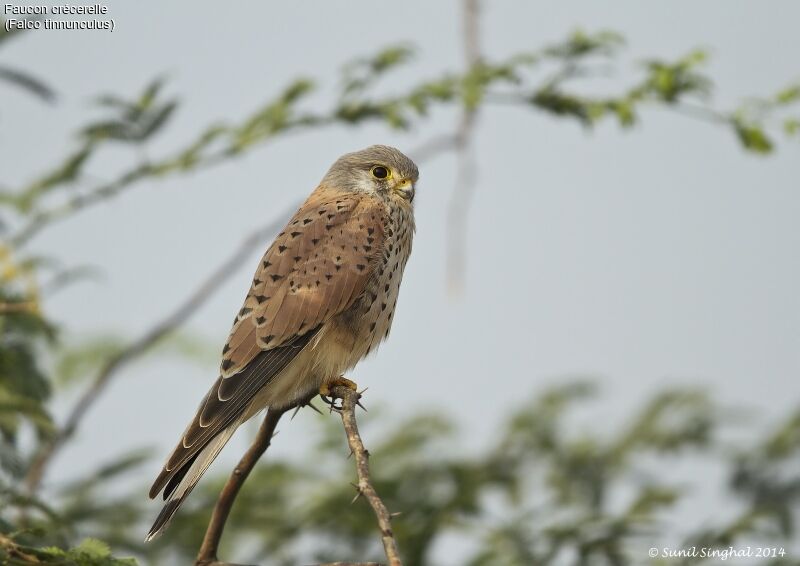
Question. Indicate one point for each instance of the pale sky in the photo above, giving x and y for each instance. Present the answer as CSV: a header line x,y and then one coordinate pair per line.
x,y
649,258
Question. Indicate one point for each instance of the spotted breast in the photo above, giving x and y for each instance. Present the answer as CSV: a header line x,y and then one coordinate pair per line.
x,y
368,321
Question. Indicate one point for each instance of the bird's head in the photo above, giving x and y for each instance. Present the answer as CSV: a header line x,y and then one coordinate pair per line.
x,y
378,169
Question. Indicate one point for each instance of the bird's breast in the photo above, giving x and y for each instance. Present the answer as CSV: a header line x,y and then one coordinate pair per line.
x,y
359,330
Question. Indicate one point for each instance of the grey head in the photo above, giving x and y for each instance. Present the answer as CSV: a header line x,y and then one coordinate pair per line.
x,y
378,169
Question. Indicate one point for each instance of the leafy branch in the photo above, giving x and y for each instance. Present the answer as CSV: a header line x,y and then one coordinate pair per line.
x,y
677,85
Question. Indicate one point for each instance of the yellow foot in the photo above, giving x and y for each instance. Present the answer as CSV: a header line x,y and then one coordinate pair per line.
x,y
327,388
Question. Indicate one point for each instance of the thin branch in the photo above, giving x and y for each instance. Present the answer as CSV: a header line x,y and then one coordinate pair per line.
x,y
471,23
697,111
207,556
173,321
465,185
700,112
41,219
106,190
350,399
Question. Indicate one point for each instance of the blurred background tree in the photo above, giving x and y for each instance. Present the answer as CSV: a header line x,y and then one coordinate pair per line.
x,y
546,492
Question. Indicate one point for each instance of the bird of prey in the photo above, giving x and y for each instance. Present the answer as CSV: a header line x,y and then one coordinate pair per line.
x,y
322,298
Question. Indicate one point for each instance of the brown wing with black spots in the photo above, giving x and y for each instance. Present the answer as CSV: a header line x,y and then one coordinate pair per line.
x,y
315,269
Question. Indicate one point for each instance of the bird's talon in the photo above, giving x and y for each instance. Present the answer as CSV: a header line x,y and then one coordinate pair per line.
x,y
326,389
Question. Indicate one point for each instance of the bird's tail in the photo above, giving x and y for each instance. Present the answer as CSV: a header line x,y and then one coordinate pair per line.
x,y
196,467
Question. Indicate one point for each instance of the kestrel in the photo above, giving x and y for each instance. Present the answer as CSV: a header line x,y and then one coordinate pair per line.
x,y
323,297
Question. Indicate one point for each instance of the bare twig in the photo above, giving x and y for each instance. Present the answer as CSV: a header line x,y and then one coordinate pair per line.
x,y
347,411
207,556
465,177
174,320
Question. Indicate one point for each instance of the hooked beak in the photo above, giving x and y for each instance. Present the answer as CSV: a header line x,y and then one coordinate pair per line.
x,y
406,189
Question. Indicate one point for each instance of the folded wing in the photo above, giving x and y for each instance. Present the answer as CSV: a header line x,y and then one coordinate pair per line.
x,y
316,268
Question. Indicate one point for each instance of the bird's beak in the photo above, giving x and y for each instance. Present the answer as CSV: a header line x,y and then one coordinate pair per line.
x,y
406,189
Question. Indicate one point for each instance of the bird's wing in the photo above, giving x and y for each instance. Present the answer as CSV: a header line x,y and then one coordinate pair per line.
x,y
315,269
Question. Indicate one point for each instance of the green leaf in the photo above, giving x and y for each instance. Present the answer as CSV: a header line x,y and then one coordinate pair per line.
x,y
28,83
14,407
275,117
562,104
148,97
390,57
157,119
671,81
132,121
65,173
791,126
753,137
92,549
6,34
784,442
581,44
788,95
362,73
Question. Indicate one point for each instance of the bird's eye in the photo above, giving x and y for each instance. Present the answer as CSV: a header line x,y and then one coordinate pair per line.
x,y
380,172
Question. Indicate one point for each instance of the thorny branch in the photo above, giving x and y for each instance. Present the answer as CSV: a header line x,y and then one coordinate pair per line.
x,y
350,399
174,320
207,555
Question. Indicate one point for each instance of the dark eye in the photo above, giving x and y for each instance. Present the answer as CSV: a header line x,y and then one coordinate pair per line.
x,y
380,172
